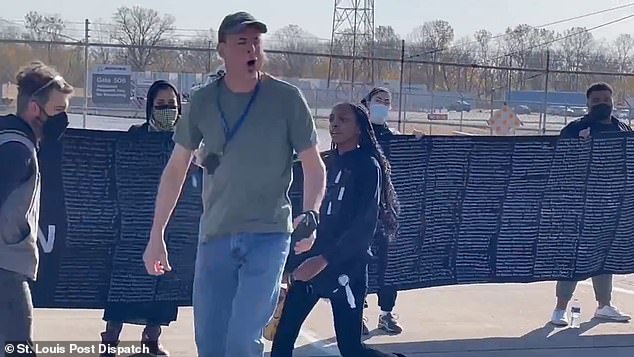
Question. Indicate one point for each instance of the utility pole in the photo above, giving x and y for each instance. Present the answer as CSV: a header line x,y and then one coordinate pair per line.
x,y
400,91
209,69
543,131
509,84
86,36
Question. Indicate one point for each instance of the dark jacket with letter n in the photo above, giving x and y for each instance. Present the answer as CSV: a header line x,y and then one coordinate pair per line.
x,y
574,127
348,216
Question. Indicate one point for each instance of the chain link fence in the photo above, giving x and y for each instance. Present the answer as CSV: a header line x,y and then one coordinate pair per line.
x,y
429,95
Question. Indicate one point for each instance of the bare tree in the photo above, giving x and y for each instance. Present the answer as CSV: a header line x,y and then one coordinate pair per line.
x,y
624,45
464,50
428,41
522,45
483,39
293,38
388,45
44,27
200,61
138,26
102,32
576,48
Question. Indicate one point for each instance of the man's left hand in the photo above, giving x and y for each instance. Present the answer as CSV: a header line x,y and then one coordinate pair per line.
x,y
310,268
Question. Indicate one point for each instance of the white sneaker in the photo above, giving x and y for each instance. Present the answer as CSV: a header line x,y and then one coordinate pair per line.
x,y
559,318
611,313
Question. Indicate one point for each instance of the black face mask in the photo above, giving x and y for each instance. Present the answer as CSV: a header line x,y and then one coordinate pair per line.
x,y
600,111
55,126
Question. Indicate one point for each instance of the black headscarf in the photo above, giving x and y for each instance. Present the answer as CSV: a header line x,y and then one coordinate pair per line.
x,y
156,87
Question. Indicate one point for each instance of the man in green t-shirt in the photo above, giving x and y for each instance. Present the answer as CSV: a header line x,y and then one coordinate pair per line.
x,y
251,124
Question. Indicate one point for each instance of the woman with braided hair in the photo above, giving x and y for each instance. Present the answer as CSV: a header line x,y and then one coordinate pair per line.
x,y
359,193
378,102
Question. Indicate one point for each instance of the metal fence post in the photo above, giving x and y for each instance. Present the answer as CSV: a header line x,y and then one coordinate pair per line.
x,y
544,123
400,91
86,59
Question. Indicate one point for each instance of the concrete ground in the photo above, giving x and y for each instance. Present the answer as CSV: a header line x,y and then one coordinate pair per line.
x,y
455,321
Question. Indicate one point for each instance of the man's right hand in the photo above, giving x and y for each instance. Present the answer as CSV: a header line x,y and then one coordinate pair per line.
x,y
155,256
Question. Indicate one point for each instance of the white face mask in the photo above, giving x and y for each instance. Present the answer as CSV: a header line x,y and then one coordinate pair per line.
x,y
379,113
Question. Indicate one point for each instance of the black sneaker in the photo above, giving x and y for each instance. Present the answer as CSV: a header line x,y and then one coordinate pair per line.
x,y
389,324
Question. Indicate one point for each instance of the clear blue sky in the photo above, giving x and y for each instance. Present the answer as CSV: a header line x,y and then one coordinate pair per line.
x,y
315,16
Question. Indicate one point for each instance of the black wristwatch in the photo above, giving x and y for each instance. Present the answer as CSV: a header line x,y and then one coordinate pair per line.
x,y
313,213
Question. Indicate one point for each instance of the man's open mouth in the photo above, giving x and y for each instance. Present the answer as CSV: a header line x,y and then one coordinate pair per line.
x,y
251,63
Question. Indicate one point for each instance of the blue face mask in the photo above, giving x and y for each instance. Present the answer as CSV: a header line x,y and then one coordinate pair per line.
x,y
379,113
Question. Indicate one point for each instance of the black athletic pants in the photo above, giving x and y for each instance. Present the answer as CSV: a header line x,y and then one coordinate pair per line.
x,y
300,300
386,294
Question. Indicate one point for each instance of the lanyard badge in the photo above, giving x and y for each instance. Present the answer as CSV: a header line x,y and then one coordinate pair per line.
x,y
231,132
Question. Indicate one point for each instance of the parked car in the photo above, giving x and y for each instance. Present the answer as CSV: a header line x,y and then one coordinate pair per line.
x,y
622,113
555,109
460,106
579,111
522,109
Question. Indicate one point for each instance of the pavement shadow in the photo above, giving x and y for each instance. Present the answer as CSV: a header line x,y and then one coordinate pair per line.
x,y
544,341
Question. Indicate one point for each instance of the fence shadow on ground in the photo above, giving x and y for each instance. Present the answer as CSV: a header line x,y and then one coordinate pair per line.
x,y
543,341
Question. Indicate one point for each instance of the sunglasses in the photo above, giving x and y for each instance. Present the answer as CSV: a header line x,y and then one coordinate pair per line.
x,y
59,80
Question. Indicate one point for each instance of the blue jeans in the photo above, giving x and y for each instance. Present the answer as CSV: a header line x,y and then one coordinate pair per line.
x,y
236,287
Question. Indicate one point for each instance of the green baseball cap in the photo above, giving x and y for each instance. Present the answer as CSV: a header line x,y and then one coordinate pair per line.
x,y
237,22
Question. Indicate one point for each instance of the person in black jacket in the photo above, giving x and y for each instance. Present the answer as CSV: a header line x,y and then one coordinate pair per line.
x,y
163,109
378,102
598,120
334,265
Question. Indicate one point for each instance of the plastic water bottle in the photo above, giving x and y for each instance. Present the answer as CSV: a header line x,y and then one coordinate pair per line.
x,y
575,314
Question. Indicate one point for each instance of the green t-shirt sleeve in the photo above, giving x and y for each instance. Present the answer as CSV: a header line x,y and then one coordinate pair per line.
x,y
302,130
186,131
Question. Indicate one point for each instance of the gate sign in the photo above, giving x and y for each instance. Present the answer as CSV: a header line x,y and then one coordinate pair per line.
x,y
111,84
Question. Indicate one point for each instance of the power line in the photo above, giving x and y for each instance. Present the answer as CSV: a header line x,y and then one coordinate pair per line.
x,y
546,43
587,15
504,34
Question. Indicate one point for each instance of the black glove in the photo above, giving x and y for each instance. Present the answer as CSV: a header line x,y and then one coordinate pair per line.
x,y
306,227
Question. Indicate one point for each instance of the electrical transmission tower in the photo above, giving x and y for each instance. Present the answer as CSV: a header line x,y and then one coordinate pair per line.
x,y
352,35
